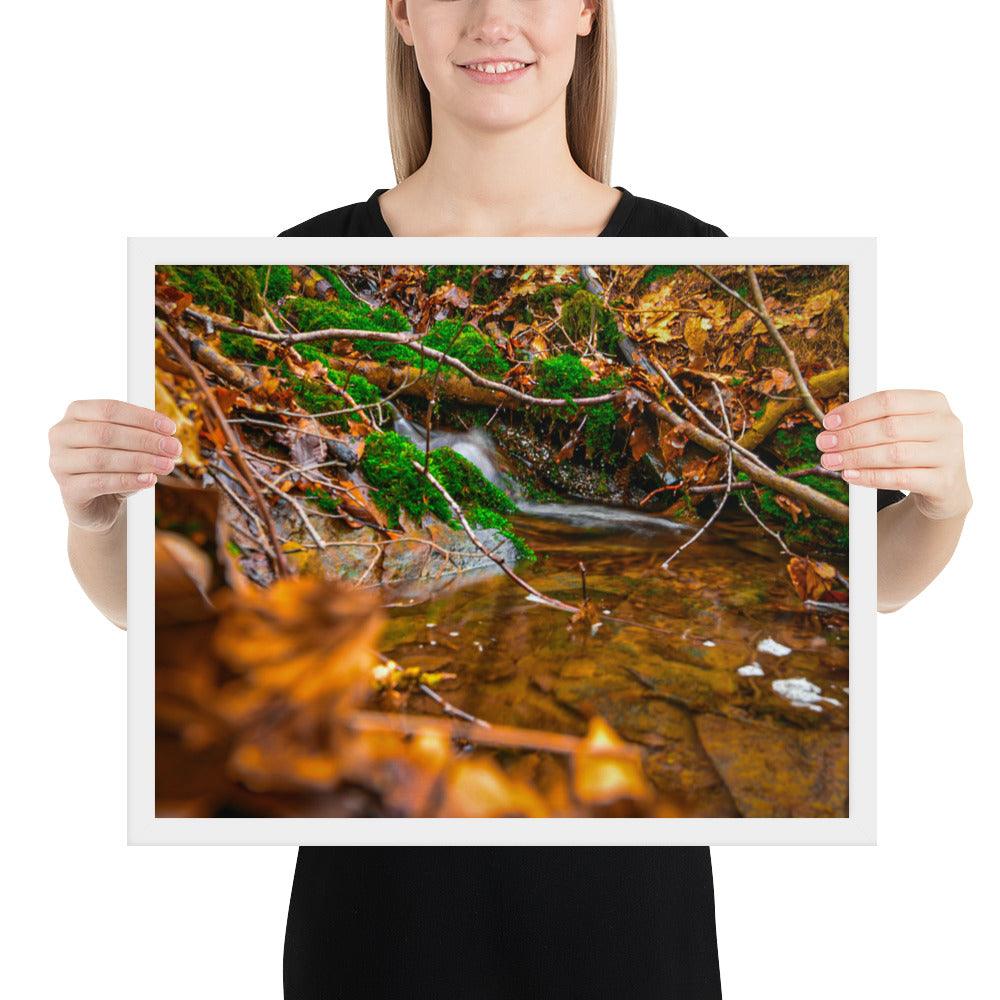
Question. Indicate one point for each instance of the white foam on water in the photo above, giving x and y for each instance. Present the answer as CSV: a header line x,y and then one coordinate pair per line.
x,y
768,645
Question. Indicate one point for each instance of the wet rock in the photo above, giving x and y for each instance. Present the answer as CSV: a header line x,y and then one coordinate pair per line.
x,y
774,772
429,551
416,560
578,479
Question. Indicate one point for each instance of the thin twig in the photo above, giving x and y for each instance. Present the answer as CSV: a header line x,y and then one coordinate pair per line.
x,y
807,396
551,601
760,311
494,735
250,483
712,428
729,485
450,709
413,342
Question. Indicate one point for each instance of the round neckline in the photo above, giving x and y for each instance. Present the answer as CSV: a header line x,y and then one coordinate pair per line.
x,y
613,227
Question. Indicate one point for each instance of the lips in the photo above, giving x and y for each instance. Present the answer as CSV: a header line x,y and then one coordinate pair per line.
x,y
496,70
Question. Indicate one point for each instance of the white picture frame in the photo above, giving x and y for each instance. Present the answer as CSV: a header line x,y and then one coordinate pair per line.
x,y
144,827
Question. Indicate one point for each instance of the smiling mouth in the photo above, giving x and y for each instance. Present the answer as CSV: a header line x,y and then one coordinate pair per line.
x,y
496,71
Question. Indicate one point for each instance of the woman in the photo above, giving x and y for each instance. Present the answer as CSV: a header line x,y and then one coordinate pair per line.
x,y
521,98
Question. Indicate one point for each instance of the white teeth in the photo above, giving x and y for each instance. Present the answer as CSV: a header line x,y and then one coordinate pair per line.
x,y
496,67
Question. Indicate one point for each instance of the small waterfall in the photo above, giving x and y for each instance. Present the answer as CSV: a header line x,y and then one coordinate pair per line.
x,y
479,447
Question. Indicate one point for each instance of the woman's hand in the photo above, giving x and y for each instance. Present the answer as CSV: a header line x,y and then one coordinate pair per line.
x,y
102,451
901,439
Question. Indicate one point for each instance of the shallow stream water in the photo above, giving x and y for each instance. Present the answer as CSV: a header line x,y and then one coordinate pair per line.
x,y
736,691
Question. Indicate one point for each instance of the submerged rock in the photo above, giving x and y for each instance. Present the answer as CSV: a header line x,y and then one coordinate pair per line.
x,y
774,772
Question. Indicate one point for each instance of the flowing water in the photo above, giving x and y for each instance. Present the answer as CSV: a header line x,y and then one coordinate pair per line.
x,y
736,691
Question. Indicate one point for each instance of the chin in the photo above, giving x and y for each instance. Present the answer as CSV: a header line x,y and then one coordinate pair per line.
x,y
499,113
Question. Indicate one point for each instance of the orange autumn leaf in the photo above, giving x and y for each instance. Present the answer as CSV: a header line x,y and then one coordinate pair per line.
x,y
793,509
812,579
600,779
696,332
640,441
481,788
186,416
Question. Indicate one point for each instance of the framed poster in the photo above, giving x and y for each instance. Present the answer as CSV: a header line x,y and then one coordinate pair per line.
x,y
501,541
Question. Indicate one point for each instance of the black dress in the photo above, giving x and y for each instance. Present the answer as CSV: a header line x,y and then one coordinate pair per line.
x,y
504,923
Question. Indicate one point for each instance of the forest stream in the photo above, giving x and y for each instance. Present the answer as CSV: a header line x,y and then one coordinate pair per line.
x,y
612,580
737,693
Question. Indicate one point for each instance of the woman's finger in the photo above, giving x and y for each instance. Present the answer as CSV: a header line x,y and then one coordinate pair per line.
x,y
897,427
883,404
894,455
89,434
910,480
117,411
84,487
71,461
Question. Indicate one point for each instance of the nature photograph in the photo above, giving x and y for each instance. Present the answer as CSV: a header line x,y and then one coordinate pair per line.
x,y
501,541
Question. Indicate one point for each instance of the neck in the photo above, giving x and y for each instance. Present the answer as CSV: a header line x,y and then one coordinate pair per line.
x,y
497,181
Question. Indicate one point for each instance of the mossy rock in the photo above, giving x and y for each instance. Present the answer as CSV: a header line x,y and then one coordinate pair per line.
x,y
657,272
357,386
795,446
242,347
814,531
350,314
543,299
274,280
562,376
463,341
226,289
585,314
387,464
565,376
485,288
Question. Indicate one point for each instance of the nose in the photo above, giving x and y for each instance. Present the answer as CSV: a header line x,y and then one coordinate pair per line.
x,y
492,22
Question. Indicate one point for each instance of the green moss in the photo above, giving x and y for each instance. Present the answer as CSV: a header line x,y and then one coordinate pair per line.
x,y
543,298
599,430
814,530
796,446
387,463
242,347
341,290
562,376
463,341
487,287
360,389
315,397
315,314
225,289
350,314
585,313
324,500
483,517
277,278
565,376
466,483
657,272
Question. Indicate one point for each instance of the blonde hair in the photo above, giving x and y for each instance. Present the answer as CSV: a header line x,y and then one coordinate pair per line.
x,y
590,99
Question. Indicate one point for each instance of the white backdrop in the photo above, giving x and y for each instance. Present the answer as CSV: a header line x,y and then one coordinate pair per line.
x,y
777,118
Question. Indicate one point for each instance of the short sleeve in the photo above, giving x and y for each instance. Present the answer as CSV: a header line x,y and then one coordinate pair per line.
x,y
887,497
